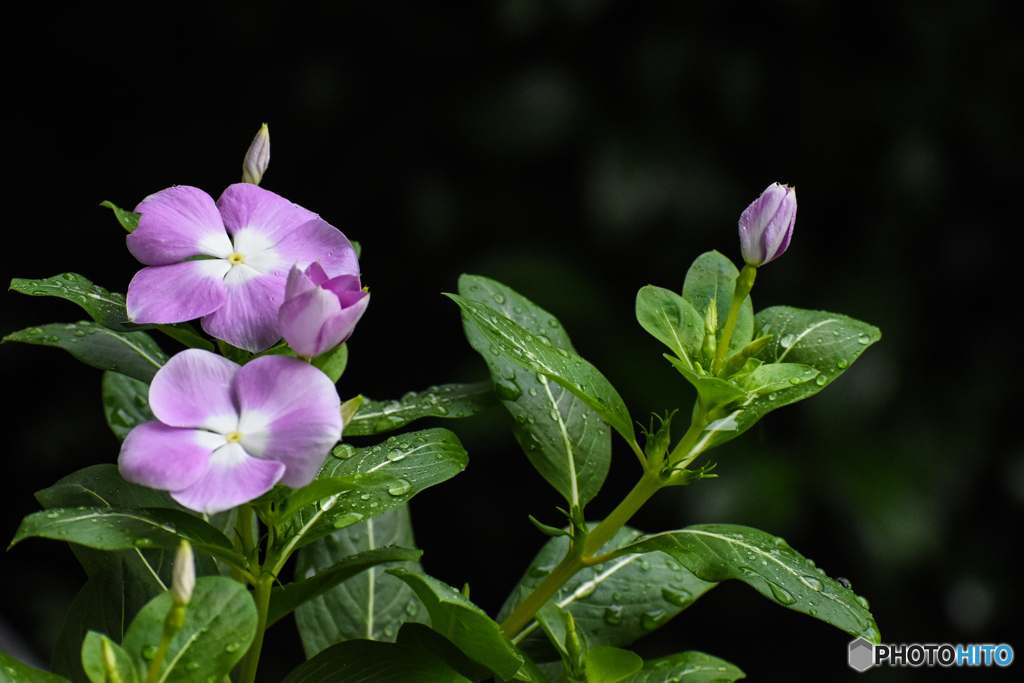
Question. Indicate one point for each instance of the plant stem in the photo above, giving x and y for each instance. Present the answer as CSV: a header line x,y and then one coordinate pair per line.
x,y
577,559
252,657
744,283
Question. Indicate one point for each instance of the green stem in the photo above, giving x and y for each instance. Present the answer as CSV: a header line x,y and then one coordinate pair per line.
x,y
252,657
172,624
576,559
744,283
684,453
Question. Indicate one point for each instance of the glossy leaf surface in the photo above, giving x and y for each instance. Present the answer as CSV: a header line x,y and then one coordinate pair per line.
x,y
128,220
105,307
687,667
564,438
712,277
446,400
672,320
367,661
125,403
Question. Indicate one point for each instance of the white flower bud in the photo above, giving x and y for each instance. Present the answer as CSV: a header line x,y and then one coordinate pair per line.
x,y
183,579
257,158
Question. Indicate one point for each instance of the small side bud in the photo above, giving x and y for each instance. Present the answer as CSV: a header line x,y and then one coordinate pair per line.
x,y
257,158
183,579
110,662
767,224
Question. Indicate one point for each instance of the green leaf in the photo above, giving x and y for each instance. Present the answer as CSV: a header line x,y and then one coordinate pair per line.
x,y
17,671
777,377
107,528
416,460
106,308
333,362
672,320
422,637
536,353
371,605
464,624
823,344
447,400
182,332
125,403
220,623
367,661
608,664
687,667
93,660
285,599
716,552
614,603
713,277
564,439
128,220
323,487
131,353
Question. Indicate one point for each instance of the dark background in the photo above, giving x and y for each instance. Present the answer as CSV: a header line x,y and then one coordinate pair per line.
x,y
578,150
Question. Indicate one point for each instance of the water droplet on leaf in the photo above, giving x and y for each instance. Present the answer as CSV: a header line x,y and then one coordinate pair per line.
x,y
613,615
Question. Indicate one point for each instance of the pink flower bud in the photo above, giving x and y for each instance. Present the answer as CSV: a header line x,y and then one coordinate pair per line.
x,y
257,158
318,312
767,225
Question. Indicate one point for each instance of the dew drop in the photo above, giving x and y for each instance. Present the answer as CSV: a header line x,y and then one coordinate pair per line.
x,y
52,515
613,615
344,451
347,520
552,322
786,341
843,364
781,594
191,666
539,572
863,339
820,381
676,596
652,620
396,455
399,488
149,651
411,608
499,298
645,565
507,391
494,350
232,647
772,396
53,338
795,380
812,582
863,602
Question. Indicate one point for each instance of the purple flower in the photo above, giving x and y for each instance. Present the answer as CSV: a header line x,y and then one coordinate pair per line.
x,y
767,225
226,434
319,312
251,237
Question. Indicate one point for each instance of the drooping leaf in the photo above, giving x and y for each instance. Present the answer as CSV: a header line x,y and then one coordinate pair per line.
x,y
371,605
125,403
105,307
367,661
614,603
716,552
285,599
672,320
447,400
220,623
415,460
537,354
93,660
128,220
564,438
422,637
131,353
18,671
465,624
713,277
687,667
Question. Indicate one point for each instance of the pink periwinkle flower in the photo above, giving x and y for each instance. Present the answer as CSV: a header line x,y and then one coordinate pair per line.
x,y
767,225
226,434
319,312
250,238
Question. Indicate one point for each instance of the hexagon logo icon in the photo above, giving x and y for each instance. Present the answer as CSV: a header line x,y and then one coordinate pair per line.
x,y
862,654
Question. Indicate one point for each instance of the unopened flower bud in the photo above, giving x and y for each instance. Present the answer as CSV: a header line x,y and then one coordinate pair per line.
x,y
183,579
767,225
257,158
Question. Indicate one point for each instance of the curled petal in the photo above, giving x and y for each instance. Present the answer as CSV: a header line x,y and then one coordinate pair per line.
x,y
767,224
248,317
166,458
177,223
247,206
290,412
297,283
194,389
338,328
232,477
177,292
302,319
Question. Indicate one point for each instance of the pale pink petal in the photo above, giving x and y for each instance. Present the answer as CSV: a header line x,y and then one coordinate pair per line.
x,y
232,477
318,241
194,389
177,292
302,319
177,223
248,317
339,328
248,206
166,458
298,282
289,412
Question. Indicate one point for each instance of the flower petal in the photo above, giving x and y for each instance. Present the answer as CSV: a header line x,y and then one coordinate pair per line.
x,y
232,477
297,283
302,320
248,318
248,206
289,412
320,241
194,389
339,328
177,292
166,458
177,223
